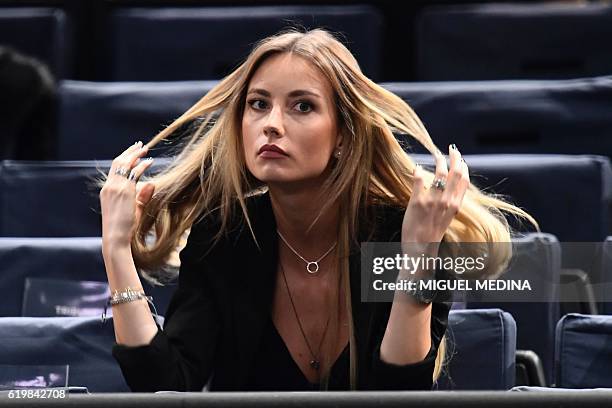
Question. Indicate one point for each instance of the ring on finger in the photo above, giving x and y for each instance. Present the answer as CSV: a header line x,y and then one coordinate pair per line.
x,y
132,176
439,184
122,171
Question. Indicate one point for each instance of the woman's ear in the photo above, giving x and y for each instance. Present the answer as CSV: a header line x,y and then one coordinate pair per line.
x,y
339,138
338,148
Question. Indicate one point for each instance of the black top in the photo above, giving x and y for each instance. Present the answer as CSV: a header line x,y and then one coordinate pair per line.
x,y
218,320
275,369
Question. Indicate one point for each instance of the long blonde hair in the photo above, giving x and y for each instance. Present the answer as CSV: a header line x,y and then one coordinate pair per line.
x,y
210,173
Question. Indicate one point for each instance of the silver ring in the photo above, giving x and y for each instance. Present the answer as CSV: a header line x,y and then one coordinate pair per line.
x,y
132,176
439,184
122,171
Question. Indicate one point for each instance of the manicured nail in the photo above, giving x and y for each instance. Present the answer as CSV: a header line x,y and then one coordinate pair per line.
x,y
453,147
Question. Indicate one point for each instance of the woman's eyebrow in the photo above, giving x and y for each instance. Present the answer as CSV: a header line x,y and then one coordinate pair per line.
x,y
297,92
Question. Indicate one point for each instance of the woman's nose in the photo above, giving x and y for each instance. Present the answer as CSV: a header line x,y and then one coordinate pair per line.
x,y
274,124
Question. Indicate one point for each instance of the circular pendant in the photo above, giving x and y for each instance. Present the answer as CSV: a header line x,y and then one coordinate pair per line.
x,y
315,364
314,266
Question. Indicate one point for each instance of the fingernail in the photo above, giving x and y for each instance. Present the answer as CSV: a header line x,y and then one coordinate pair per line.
x,y
453,147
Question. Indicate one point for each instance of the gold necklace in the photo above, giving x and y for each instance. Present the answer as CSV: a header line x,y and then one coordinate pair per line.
x,y
315,362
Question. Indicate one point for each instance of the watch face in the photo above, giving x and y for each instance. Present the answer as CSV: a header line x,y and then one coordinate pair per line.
x,y
422,296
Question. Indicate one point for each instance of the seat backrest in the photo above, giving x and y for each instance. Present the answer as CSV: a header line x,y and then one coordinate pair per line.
x,y
583,351
166,44
481,345
49,199
67,259
536,258
99,120
538,116
40,32
568,195
53,199
84,344
506,41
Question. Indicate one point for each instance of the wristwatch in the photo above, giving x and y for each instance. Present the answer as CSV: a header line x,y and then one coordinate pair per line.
x,y
423,296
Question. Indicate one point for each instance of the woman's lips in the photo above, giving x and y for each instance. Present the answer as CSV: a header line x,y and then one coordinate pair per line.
x,y
272,154
271,151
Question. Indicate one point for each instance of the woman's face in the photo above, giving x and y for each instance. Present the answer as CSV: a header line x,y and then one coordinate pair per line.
x,y
289,125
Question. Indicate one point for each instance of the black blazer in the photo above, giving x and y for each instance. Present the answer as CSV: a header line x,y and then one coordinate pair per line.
x,y
224,297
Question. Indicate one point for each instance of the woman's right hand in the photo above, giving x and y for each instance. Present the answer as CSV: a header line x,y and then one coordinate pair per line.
x,y
120,199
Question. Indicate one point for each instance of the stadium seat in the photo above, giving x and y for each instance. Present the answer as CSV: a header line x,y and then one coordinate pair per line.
x,y
583,351
544,117
166,44
536,258
507,41
568,195
481,351
43,33
66,259
52,199
98,120
49,199
84,344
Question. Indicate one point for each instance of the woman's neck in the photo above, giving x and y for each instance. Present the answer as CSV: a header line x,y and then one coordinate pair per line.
x,y
295,214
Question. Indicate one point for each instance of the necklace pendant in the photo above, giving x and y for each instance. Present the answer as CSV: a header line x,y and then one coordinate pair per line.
x,y
312,267
315,364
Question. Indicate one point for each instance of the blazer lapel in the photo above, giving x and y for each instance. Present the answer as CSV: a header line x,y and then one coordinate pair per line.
x,y
256,268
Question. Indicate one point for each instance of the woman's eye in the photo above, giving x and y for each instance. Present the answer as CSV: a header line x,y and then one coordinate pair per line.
x,y
303,107
257,104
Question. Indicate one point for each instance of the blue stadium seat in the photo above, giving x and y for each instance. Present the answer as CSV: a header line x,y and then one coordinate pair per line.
x,y
583,351
44,33
506,41
484,117
49,199
166,44
84,344
569,196
537,258
98,120
52,199
70,259
481,347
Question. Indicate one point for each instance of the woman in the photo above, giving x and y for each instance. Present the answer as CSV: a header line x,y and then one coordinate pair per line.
x,y
298,166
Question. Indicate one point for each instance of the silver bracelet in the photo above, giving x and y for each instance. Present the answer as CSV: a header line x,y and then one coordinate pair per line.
x,y
125,296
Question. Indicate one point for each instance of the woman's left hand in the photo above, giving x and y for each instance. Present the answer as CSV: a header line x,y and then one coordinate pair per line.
x,y
431,209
